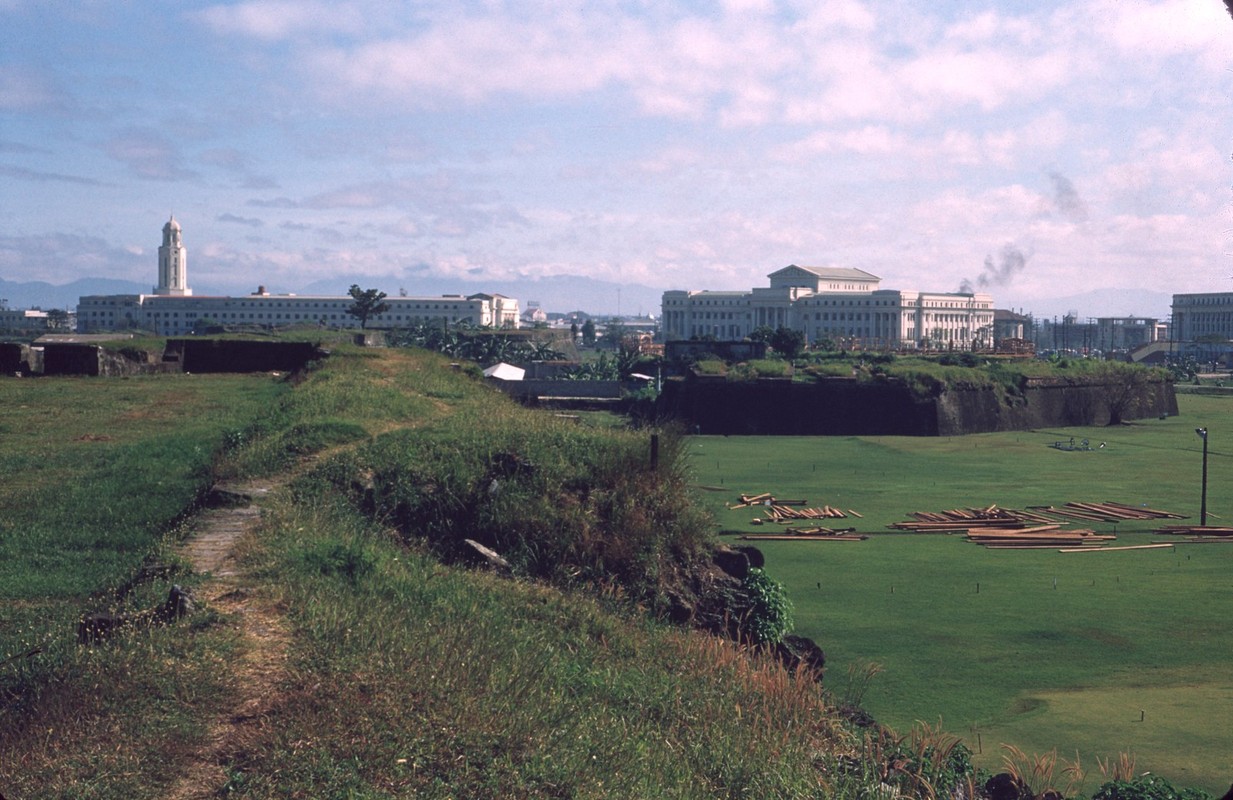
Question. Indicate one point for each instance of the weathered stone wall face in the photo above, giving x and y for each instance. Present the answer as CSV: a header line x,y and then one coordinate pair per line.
x,y
845,407
72,359
13,356
236,355
205,355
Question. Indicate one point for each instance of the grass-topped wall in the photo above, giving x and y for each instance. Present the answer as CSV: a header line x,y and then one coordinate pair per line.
x,y
903,407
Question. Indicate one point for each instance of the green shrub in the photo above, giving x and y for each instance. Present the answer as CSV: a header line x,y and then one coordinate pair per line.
x,y
560,502
711,367
1148,787
829,369
769,617
770,368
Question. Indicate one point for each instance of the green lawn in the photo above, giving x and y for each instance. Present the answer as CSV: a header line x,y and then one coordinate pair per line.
x,y
1099,653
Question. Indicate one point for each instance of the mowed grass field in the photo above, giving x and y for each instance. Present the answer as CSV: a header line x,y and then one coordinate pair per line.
x,y
1094,653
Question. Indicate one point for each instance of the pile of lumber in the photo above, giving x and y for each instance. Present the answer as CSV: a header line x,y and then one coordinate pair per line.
x,y
784,511
1198,533
1040,536
781,512
1104,512
959,520
963,519
815,534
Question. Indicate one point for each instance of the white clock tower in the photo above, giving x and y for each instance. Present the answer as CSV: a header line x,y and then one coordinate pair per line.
x,y
172,263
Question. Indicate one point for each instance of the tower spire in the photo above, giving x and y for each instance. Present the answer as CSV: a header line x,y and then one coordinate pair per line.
x,y
172,262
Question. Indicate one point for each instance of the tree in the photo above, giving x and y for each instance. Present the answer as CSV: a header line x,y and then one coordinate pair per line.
x,y
788,342
614,334
1127,388
368,303
588,332
762,333
57,319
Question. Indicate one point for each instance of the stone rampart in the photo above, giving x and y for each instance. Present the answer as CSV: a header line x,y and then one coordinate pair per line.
x,y
242,355
847,407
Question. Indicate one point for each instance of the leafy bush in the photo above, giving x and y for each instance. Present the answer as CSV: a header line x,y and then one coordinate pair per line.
x,y
561,502
829,369
760,368
1149,787
711,367
769,617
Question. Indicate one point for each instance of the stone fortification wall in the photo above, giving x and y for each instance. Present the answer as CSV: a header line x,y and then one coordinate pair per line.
x,y
236,355
846,407
72,359
1050,404
832,407
190,355
89,359
14,357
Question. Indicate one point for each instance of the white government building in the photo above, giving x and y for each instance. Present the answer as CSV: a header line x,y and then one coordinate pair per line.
x,y
1206,314
173,309
834,303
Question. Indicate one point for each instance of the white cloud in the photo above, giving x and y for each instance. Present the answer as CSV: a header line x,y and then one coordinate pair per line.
x,y
27,89
149,154
1168,28
272,20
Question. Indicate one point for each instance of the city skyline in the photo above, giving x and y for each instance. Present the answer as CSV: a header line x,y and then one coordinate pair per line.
x,y
1063,149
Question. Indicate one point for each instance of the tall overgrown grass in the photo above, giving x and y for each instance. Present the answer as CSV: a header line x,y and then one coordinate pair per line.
x,y
431,682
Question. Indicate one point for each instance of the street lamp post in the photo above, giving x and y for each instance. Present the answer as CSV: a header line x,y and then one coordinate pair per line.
x,y
1203,502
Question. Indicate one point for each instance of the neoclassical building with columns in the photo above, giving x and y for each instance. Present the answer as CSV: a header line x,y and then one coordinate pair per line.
x,y
172,309
835,303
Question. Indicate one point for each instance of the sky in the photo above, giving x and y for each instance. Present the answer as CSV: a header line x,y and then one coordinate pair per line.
x,y
1026,150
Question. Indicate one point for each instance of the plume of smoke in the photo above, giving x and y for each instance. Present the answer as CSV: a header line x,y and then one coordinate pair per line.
x,y
1066,199
1010,263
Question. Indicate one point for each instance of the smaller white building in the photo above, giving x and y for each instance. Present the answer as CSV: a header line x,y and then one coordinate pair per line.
x,y
23,319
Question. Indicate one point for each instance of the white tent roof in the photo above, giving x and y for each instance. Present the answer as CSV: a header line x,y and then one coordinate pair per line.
x,y
505,372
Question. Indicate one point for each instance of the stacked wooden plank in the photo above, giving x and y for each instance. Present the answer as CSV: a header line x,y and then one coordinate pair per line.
x,y
779,512
1108,512
1040,536
960,520
810,535
1199,533
785,511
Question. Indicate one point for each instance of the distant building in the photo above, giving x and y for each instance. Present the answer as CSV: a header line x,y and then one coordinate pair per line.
x,y
32,320
1115,334
173,310
534,315
840,304
1008,324
1203,316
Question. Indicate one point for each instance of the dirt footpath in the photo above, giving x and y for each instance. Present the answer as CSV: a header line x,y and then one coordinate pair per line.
x,y
260,667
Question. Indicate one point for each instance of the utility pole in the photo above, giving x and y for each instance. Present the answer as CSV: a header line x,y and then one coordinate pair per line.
x,y
1203,502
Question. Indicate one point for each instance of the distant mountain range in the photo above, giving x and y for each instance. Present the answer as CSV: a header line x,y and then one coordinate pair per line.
x,y
1099,303
40,294
558,293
